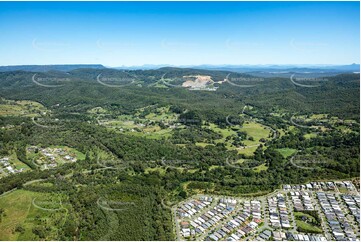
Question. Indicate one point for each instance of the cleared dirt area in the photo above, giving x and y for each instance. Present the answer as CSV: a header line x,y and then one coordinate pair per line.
x,y
197,81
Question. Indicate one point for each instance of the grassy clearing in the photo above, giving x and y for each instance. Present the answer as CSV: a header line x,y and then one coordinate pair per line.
x,y
286,152
20,108
213,167
282,132
193,187
307,223
291,128
202,144
248,151
344,129
19,210
318,116
161,170
255,130
161,133
97,110
343,189
143,126
17,206
224,132
310,135
307,228
163,114
260,168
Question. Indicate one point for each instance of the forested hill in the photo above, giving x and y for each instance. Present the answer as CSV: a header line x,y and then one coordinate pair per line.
x,y
87,88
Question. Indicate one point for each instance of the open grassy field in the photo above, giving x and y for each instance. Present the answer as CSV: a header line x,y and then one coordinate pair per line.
x,y
282,132
20,108
319,116
198,187
213,167
202,144
23,213
20,204
291,128
97,110
140,125
336,122
344,129
308,228
252,128
224,132
255,130
310,135
286,152
161,170
156,133
248,151
260,168
163,114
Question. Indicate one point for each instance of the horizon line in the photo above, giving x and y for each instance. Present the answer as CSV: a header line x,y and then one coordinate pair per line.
x,y
181,65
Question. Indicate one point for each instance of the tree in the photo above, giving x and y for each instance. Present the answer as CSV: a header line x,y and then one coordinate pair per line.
x,y
20,229
183,194
39,231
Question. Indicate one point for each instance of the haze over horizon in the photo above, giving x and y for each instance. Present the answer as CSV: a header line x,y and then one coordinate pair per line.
x,y
198,65
120,34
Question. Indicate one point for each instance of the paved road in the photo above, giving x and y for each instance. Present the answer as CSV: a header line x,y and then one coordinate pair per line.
x,y
177,229
349,218
265,220
298,125
292,215
324,225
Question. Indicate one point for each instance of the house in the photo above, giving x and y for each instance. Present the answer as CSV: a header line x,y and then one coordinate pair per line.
x,y
186,233
265,235
185,224
213,237
234,236
277,236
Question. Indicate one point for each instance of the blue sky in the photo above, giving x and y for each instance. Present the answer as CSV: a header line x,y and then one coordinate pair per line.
x,y
179,33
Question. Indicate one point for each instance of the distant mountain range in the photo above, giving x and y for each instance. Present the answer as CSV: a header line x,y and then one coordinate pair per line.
x,y
45,68
250,68
289,68
268,70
